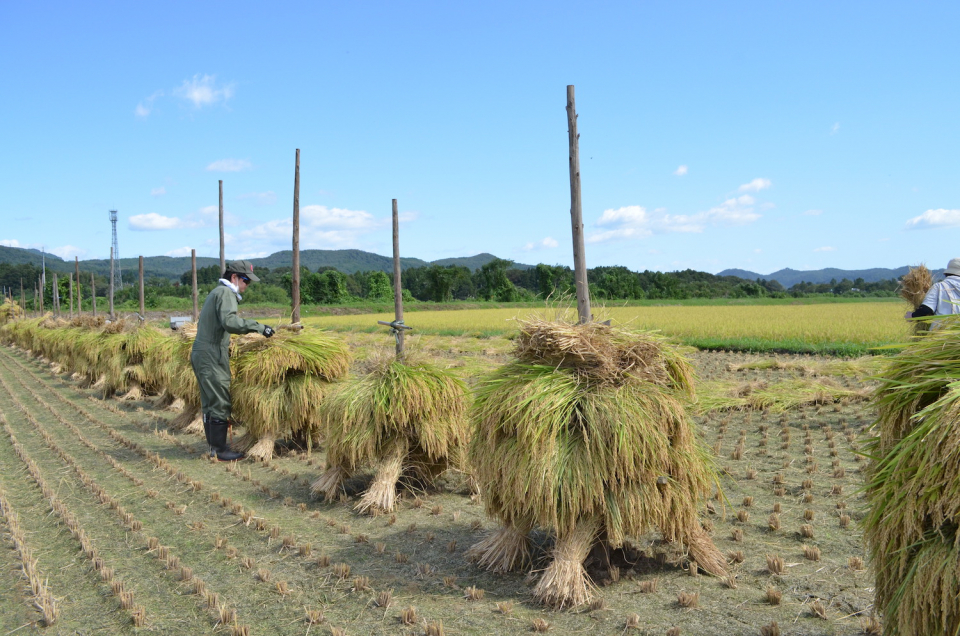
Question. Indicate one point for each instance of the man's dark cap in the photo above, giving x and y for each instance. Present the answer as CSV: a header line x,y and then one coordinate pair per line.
x,y
244,268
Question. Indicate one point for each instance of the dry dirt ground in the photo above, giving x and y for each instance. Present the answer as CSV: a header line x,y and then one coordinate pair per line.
x,y
135,531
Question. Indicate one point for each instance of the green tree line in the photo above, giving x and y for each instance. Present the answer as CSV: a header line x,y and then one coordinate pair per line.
x,y
497,280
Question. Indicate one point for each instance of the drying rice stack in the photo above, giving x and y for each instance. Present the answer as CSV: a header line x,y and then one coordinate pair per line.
x,y
586,435
914,487
280,382
9,311
404,418
913,288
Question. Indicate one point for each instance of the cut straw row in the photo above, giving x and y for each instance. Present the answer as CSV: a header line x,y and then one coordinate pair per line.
x,y
43,598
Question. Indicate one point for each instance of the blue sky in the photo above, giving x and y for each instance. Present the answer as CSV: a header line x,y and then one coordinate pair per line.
x,y
756,135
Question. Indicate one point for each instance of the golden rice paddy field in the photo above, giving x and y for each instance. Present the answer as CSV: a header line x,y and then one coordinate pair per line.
x,y
847,328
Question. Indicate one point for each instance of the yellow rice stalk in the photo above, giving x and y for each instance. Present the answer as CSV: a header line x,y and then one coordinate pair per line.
x,y
414,406
504,550
915,284
382,493
330,483
565,582
263,448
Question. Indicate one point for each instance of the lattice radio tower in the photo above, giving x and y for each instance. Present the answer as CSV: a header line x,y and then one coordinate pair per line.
x,y
116,250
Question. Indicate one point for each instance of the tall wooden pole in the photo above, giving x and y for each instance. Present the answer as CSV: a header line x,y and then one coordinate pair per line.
x,y
23,299
295,287
76,265
576,213
111,284
43,291
56,296
193,274
143,309
93,293
397,289
36,305
71,296
223,262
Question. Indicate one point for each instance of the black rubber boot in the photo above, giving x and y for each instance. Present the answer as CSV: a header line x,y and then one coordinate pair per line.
x,y
217,436
206,432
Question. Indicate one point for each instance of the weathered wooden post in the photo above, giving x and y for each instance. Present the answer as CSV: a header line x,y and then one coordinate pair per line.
x,y
193,273
56,296
143,310
93,294
111,285
397,289
23,299
76,265
71,296
223,262
576,213
295,282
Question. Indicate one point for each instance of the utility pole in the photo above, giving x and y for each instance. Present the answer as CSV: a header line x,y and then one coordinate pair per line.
x,y
576,214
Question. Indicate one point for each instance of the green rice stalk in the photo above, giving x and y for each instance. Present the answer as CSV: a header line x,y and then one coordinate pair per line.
x,y
913,486
777,397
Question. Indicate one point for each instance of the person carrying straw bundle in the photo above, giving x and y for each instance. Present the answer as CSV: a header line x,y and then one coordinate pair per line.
x,y
586,435
929,299
210,355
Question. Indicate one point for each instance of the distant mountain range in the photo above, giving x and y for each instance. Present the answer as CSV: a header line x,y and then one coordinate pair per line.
x,y
350,261
790,277
347,261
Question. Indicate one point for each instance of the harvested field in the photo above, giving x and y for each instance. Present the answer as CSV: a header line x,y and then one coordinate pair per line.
x,y
131,525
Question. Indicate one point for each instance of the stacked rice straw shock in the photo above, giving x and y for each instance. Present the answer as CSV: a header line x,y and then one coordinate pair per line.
x,y
913,288
279,384
586,435
9,311
913,486
406,418
277,387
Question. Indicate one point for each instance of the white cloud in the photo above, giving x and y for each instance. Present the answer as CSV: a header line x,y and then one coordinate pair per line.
x,y
756,185
758,251
180,251
320,228
202,90
158,192
10,243
636,222
682,170
145,107
825,249
67,252
935,218
547,243
229,165
259,198
153,222
813,212
835,128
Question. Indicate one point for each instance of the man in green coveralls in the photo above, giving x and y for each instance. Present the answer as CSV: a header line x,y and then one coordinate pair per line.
x,y
210,356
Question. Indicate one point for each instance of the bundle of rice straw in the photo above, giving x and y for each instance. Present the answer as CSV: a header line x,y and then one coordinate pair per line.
x,y
587,436
279,383
913,288
405,418
166,368
914,487
9,311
